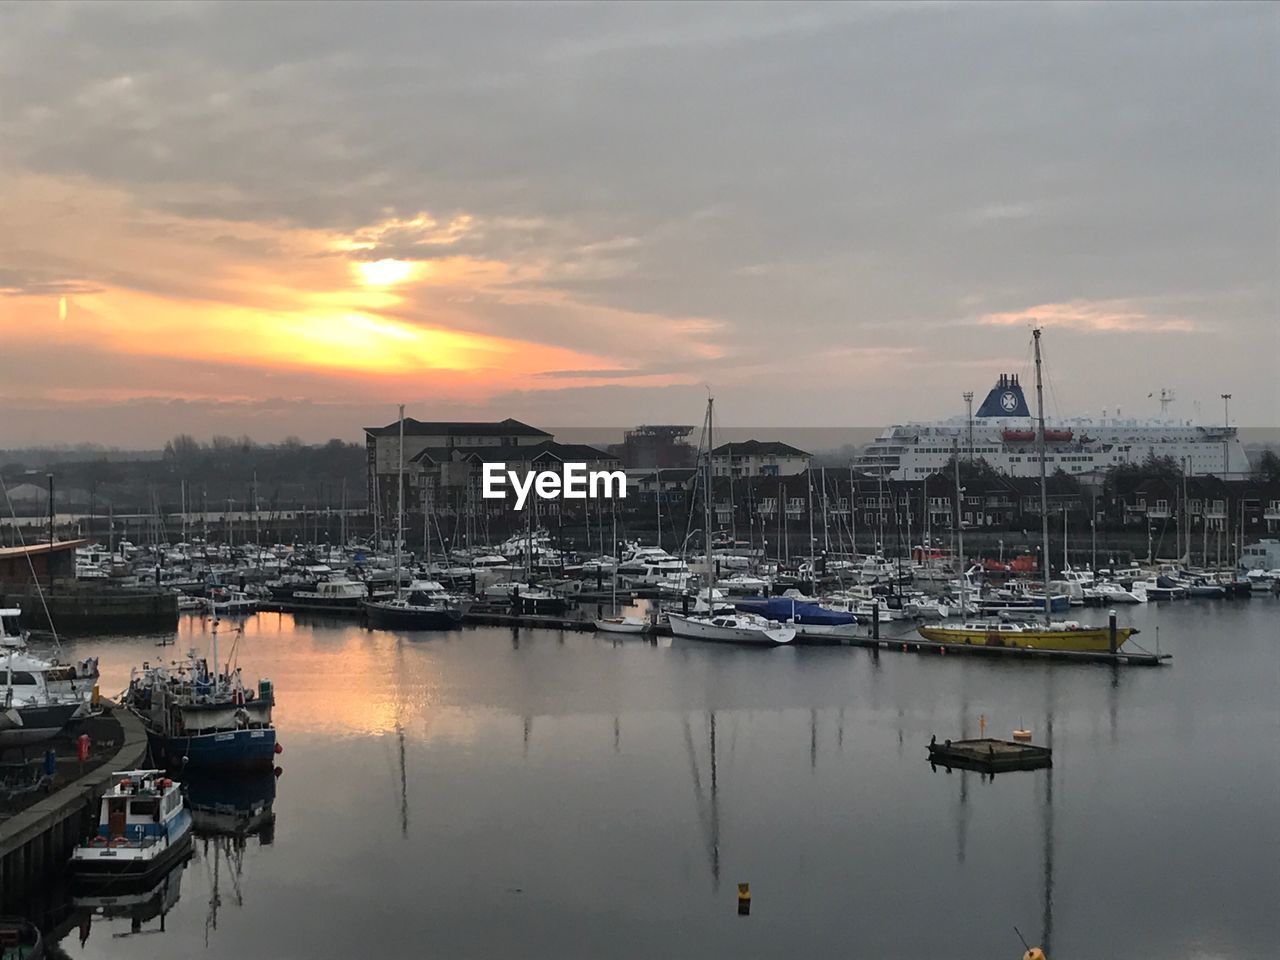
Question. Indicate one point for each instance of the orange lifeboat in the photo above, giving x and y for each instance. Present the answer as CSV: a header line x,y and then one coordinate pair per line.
x,y
1018,436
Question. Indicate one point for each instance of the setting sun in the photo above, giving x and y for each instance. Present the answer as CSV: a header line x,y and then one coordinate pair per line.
x,y
384,273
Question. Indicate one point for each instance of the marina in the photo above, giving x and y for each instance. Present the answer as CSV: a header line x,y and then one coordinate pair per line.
x,y
727,761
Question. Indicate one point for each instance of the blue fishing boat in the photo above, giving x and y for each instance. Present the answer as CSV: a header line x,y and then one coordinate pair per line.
x,y
198,718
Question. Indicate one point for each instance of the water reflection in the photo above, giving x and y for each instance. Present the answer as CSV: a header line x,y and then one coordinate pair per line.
x,y
403,752
127,914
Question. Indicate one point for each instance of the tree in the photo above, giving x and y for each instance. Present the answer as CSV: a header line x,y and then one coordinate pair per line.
x,y
1268,467
183,447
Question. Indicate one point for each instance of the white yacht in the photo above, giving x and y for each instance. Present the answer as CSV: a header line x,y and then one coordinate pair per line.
x,y
1003,433
732,628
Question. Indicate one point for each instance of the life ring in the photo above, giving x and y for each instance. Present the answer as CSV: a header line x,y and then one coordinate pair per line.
x,y
94,840
117,841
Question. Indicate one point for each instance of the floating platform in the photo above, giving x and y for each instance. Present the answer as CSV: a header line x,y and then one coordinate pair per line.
x,y
989,756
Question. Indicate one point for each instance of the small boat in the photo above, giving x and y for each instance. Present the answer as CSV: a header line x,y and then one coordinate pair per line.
x,y
412,612
231,603
632,625
732,628
30,711
338,596
1104,593
1202,587
143,829
20,939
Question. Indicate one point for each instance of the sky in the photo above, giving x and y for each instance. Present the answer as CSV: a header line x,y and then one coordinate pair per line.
x,y
284,220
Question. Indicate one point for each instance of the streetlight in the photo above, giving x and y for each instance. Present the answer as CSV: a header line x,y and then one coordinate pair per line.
x,y
1226,425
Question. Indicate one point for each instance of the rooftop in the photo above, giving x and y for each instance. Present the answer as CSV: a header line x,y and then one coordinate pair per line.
x,y
772,448
458,428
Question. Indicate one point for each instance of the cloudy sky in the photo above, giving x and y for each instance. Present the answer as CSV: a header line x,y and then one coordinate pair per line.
x,y
286,219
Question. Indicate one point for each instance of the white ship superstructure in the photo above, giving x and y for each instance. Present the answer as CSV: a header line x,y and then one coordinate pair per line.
x,y
1004,434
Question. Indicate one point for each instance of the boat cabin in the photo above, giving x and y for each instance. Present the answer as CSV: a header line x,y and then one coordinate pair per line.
x,y
137,809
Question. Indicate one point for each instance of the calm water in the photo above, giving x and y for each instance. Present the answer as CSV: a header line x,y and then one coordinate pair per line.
x,y
493,794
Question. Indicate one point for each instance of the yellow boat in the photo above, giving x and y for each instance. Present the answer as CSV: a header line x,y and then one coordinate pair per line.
x,y
1057,636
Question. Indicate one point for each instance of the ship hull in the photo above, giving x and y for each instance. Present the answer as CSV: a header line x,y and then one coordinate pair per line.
x,y
385,617
224,750
1082,641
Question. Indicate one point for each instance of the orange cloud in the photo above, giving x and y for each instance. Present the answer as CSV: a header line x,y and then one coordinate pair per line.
x,y
1117,316
148,286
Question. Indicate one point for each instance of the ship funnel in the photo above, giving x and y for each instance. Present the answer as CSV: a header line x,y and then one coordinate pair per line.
x,y
1005,399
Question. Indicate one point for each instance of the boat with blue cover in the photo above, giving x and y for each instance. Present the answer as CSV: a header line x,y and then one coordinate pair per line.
x,y
812,621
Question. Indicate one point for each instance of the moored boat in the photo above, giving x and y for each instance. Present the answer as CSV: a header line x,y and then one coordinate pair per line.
x,y
197,718
747,628
632,625
1067,636
143,829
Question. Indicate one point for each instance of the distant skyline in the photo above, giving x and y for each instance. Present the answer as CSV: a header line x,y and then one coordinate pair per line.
x,y
283,220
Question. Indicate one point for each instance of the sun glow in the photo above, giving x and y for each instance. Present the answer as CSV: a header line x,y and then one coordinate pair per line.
x,y
385,273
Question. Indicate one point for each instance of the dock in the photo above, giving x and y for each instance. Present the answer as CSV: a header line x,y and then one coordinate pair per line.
x,y
989,756
37,840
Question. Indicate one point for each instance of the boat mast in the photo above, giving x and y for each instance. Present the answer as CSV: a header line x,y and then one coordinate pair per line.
x,y
964,573
706,501
400,498
613,509
1044,495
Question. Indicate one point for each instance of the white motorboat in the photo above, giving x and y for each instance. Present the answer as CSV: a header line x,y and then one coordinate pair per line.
x,y
732,628
231,603
1106,593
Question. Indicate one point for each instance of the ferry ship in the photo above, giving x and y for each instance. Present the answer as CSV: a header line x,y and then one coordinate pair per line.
x,y
1004,435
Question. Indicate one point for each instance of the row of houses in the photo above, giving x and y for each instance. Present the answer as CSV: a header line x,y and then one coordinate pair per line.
x,y
762,481
445,460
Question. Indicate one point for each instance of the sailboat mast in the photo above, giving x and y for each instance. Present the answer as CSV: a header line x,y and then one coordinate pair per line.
x,y
613,509
959,528
706,499
400,497
1044,495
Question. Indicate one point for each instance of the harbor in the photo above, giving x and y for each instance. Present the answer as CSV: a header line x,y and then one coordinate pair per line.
x,y
506,756
224,651
585,481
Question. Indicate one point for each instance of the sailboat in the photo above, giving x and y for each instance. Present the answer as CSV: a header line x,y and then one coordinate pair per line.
x,y
1064,635
615,623
720,625
421,606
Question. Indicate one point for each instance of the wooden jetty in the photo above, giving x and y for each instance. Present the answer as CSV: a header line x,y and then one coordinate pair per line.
x,y
989,756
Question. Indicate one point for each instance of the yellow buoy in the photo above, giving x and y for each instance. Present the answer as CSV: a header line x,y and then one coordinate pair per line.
x,y
1035,953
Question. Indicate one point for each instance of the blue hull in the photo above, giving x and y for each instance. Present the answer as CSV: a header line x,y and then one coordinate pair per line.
x,y
232,750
